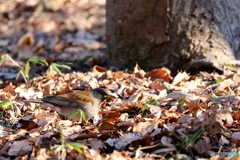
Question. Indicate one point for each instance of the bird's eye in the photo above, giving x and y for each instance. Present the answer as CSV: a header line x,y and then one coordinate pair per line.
x,y
103,93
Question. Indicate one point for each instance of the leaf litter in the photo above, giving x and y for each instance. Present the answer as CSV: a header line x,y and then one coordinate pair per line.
x,y
158,130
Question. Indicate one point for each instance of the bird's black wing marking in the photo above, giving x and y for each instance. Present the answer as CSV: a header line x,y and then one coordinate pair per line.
x,y
60,102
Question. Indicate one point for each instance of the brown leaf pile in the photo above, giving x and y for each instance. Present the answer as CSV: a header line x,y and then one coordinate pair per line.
x,y
184,105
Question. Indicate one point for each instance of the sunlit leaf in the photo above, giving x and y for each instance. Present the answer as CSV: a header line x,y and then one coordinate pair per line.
x,y
76,146
144,108
214,97
38,60
24,71
55,67
3,59
152,101
80,112
6,104
181,103
220,80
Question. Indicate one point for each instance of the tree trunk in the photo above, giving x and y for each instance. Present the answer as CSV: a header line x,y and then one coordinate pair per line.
x,y
171,33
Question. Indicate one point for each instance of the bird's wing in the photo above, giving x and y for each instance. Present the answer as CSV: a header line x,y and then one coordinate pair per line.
x,y
60,101
79,97
33,101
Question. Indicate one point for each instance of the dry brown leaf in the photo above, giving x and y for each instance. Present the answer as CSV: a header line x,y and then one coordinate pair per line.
x,y
24,46
99,69
67,131
124,140
171,115
117,75
139,72
180,77
236,115
28,125
42,154
64,90
166,141
105,125
177,95
161,73
193,106
143,127
112,116
130,91
9,88
236,78
157,84
203,146
236,138
26,39
225,84
22,147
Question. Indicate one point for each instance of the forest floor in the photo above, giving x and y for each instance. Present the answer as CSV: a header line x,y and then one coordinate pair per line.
x,y
155,115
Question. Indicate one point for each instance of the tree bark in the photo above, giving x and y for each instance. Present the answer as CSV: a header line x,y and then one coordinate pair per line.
x,y
172,33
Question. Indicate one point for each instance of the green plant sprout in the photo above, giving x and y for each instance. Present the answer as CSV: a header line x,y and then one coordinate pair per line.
x,y
152,102
80,112
187,141
145,107
24,71
55,67
214,96
6,104
64,147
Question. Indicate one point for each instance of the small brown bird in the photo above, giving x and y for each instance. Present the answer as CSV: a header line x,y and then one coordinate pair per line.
x,y
67,103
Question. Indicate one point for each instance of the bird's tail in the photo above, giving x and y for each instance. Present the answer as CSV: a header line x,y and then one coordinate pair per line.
x,y
33,101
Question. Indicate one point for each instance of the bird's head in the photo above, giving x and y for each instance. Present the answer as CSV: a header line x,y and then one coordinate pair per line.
x,y
102,93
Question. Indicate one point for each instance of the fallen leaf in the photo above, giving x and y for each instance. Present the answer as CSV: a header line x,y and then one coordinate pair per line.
x,y
99,69
24,46
180,77
9,88
20,148
157,84
161,73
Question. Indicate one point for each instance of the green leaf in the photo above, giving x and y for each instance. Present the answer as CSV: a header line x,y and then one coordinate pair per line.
x,y
230,66
26,69
55,147
76,146
55,67
78,111
38,60
214,97
195,136
186,141
152,101
144,108
212,82
6,104
181,103
83,115
220,80
3,59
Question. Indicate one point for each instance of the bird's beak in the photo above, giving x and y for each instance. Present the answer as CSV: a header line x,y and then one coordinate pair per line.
x,y
110,96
